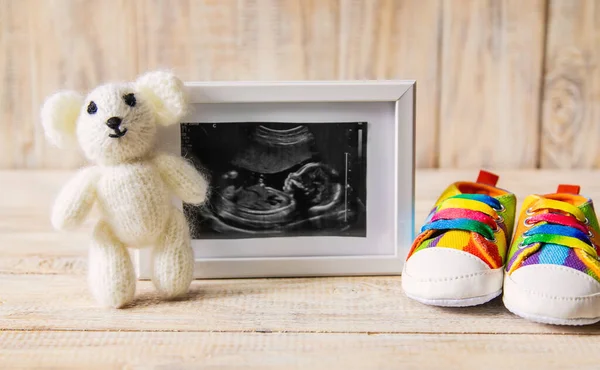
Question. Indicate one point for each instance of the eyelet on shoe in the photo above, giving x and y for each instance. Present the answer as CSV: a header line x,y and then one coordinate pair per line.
x,y
527,223
498,221
522,245
586,221
501,209
590,234
529,211
493,240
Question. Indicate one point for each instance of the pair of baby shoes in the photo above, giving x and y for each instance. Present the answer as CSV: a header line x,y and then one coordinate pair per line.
x,y
464,255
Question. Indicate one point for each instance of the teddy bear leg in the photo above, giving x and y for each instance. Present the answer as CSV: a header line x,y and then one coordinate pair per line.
x,y
173,258
111,274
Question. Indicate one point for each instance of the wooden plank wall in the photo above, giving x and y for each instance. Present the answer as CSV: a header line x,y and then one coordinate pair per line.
x,y
501,83
571,101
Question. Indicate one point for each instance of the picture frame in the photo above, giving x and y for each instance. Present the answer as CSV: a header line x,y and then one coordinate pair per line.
x,y
279,158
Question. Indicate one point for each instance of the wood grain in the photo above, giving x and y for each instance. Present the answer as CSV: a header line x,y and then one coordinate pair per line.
x,y
300,40
91,350
302,305
479,65
49,320
54,300
28,244
399,39
491,76
571,108
16,134
53,45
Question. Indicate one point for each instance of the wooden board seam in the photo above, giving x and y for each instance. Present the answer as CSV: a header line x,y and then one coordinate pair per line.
x,y
266,332
542,86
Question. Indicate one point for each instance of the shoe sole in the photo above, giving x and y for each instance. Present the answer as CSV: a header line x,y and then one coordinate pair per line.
x,y
551,320
465,302
545,309
457,291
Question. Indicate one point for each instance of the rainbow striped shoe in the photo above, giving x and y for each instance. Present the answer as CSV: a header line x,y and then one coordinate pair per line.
x,y
553,272
458,258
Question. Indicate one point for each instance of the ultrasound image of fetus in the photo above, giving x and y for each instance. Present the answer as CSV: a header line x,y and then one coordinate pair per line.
x,y
280,179
315,186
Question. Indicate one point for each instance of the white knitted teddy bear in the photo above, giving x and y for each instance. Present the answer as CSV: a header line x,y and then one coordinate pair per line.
x,y
132,184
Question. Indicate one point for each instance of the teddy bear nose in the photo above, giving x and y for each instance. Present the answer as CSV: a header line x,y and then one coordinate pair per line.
x,y
113,122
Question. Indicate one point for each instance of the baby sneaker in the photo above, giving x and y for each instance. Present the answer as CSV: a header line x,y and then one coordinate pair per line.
x,y
553,273
458,258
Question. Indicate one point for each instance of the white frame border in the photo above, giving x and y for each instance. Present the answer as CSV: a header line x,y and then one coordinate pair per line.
x,y
402,92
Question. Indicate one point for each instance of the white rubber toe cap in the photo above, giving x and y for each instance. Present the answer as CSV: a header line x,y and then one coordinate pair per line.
x,y
552,294
449,274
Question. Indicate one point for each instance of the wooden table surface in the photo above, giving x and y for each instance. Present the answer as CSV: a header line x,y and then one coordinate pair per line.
x,y
48,319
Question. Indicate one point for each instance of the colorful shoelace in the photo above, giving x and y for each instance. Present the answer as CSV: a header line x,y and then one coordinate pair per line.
x,y
469,212
560,223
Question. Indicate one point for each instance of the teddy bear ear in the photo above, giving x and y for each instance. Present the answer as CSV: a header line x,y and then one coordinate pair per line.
x,y
59,118
166,93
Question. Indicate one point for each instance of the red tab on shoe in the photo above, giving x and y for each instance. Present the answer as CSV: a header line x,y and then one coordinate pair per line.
x,y
487,178
569,189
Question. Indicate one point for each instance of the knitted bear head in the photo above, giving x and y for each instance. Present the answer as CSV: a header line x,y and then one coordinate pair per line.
x,y
116,122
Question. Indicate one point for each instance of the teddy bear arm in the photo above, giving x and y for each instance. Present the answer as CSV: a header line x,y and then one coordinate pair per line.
x,y
182,178
75,200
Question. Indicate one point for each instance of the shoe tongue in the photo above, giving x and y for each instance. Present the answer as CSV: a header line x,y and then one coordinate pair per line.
x,y
487,178
569,194
485,184
568,189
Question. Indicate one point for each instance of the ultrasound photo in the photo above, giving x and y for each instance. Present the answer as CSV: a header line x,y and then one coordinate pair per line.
x,y
276,179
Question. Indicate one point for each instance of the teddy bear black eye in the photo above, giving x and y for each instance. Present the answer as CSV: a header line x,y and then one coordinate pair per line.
x,y
129,100
92,108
